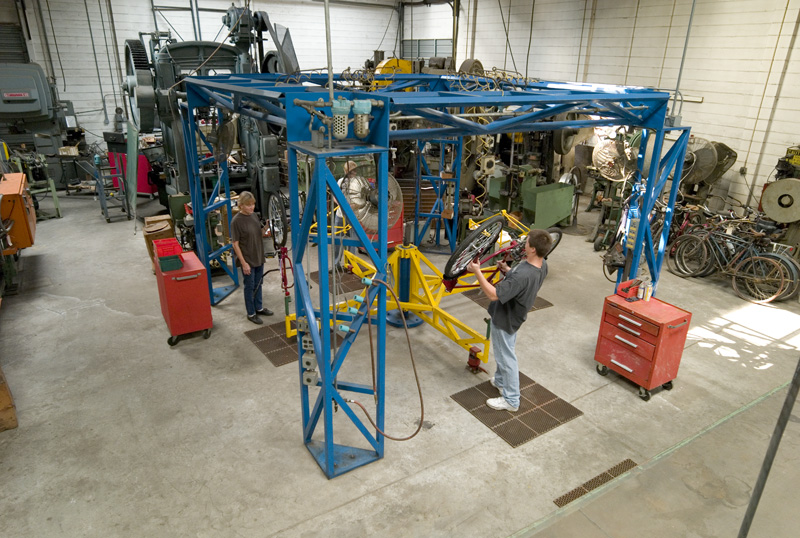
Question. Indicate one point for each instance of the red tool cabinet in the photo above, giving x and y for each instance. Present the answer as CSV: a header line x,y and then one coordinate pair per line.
x,y
642,341
185,302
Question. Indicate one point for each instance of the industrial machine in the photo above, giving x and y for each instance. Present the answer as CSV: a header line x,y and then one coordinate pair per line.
x,y
17,227
33,119
154,84
780,199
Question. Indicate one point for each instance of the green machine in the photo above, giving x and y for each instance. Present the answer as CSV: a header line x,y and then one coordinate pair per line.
x,y
524,191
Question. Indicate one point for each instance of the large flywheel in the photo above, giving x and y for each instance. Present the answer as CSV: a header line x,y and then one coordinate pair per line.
x,y
139,85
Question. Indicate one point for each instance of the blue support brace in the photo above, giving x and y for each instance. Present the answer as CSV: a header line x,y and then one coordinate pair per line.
x,y
278,99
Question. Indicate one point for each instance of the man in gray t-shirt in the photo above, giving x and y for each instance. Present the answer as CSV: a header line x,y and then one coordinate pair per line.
x,y
512,298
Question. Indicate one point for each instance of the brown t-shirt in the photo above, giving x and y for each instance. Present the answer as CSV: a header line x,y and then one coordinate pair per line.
x,y
246,229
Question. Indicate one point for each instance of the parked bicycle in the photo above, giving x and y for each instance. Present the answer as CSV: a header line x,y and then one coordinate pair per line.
x,y
755,275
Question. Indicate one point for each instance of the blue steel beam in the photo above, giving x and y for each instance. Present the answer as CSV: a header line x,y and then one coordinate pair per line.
x,y
532,106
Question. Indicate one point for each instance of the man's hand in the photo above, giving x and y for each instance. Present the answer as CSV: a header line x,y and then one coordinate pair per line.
x,y
246,268
474,267
503,266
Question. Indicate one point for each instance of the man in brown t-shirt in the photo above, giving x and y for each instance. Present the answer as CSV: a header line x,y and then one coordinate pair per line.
x,y
248,245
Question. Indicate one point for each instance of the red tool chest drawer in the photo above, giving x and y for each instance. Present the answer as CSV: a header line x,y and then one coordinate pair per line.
x,y
642,341
184,296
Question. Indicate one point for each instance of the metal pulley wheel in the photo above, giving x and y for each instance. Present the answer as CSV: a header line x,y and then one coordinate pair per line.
x,y
781,200
139,85
471,67
564,139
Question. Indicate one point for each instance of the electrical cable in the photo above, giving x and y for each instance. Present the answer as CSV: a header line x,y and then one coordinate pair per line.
x,y
108,55
413,366
530,38
55,41
387,29
508,43
94,52
197,69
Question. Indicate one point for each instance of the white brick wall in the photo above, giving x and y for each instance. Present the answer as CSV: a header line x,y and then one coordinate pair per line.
x,y
728,61
356,32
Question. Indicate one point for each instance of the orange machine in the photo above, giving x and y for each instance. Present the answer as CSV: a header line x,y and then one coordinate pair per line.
x,y
17,205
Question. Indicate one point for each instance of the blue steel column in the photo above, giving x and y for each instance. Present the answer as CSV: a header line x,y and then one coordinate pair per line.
x,y
324,358
383,230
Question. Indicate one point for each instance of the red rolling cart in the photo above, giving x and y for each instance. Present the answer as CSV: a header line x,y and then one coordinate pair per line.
x,y
642,341
185,302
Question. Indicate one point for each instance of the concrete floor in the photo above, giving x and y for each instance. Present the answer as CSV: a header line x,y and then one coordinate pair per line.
x,y
121,435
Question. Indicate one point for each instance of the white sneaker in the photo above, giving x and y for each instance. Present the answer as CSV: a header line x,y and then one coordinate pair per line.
x,y
500,404
491,382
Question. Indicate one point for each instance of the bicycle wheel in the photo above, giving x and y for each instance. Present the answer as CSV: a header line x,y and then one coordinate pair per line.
x,y
691,255
476,244
758,279
555,234
791,274
276,216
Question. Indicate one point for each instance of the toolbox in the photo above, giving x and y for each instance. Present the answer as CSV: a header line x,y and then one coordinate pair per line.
x,y
642,341
185,300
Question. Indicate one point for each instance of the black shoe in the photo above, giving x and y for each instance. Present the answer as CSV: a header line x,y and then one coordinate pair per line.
x,y
264,312
255,319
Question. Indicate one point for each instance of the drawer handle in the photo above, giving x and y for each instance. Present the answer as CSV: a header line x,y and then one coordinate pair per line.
x,y
624,328
621,339
678,325
190,277
629,320
622,365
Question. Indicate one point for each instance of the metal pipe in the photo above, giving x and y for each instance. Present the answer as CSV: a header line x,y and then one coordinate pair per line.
x,y
108,54
456,14
111,23
45,42
153,10
683,57
769,457
330,63
96,64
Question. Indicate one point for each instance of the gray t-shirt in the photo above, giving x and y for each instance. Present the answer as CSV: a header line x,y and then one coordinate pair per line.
x,y
246,229
516,294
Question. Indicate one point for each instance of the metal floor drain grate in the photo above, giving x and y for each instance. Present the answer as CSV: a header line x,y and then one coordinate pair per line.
x,y
478,297
596,482
539,411
347,282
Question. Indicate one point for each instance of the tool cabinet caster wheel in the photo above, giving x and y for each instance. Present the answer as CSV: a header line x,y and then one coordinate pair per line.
x,y
667,385
602,369
108,220
598,243
206,334
172,340
644,394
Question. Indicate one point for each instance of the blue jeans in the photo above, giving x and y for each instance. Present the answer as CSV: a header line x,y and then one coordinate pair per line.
x,y
507,375
252,289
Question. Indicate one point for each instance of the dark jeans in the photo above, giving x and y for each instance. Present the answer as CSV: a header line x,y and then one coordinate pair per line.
x,y
252,289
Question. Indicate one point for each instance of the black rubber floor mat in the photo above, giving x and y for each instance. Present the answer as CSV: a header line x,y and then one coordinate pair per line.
x,y
271,340
347,282
478,296
595,482
539,411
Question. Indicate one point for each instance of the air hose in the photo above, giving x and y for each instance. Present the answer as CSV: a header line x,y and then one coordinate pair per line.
x,y
372,357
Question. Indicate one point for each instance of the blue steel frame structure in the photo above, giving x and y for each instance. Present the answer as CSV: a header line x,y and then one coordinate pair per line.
x,y
531,106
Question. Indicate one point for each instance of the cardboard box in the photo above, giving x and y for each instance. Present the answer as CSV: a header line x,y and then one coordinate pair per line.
x,y
159,227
